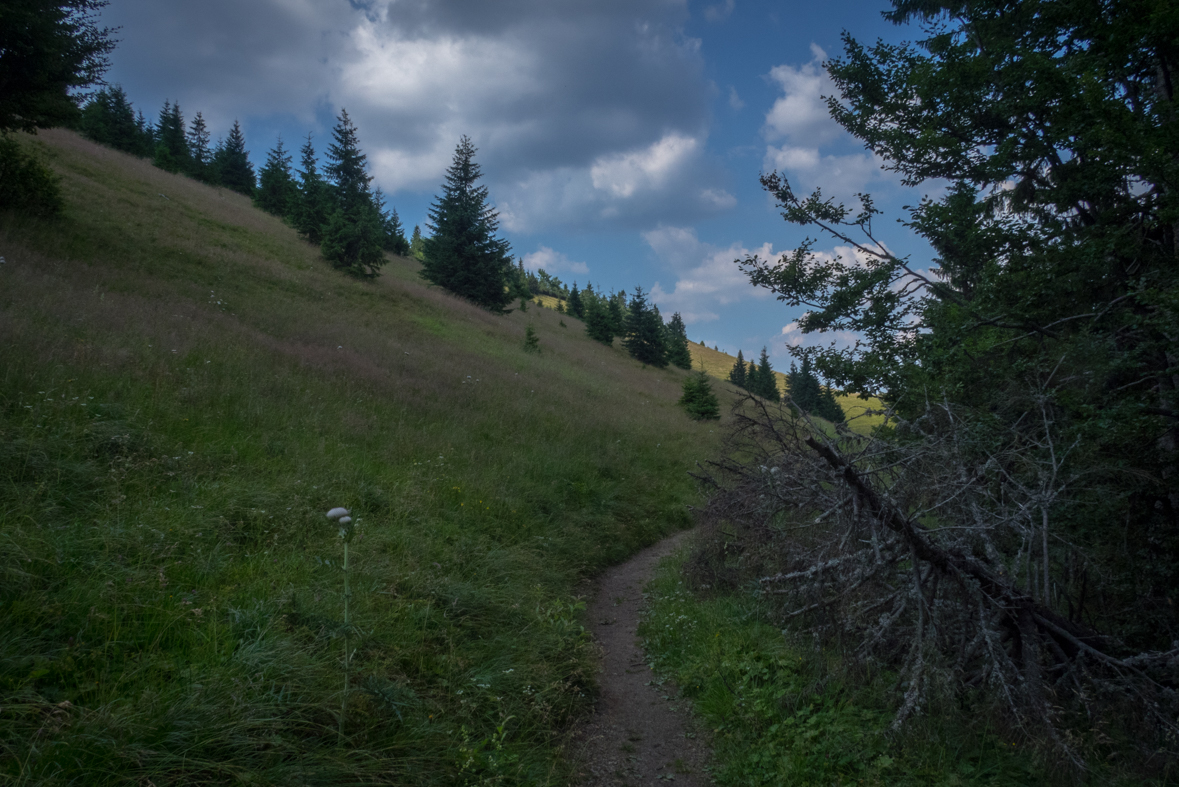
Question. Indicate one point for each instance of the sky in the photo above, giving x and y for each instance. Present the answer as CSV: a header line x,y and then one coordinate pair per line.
x,y
621,140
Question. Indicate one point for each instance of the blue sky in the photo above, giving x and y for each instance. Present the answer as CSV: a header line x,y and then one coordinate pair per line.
x,y
621,140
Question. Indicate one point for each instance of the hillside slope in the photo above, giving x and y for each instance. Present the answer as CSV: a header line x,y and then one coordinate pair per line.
x,y
185,389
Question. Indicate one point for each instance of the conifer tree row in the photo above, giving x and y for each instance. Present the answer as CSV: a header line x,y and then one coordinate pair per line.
x,y
340,212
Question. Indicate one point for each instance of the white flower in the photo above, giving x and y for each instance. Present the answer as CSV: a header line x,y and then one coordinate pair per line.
x,y
336,513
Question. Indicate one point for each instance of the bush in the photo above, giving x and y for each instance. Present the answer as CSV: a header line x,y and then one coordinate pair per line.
x,y
26,183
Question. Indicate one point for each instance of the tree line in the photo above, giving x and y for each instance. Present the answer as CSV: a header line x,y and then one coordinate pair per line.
x,y
336,209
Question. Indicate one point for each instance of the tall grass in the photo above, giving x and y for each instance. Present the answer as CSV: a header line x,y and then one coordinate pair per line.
x,y
185,388
782,711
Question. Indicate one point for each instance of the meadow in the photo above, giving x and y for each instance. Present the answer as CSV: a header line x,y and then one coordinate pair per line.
x,y
185,389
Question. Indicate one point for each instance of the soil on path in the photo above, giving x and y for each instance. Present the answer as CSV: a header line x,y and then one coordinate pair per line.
x,y
640,733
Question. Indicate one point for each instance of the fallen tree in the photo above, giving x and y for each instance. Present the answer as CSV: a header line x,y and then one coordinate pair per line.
x,y
934,552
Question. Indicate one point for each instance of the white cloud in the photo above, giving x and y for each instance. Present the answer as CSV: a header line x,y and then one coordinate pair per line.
x,y
621,175
801,115
553,262
706,276
801,124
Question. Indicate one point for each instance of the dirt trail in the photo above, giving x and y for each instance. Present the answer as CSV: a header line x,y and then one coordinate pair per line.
x,y
640,733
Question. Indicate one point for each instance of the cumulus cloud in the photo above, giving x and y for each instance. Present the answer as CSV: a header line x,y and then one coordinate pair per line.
x,y
553,262
622,174
799,121
598,100
706,278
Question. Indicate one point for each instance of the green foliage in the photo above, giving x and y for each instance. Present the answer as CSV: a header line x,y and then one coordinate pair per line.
x,y
676,340
200,154
311,213
782,713
416,248
277,192
463,254
356,232
739,375
643,332
171,150
231,161
598,324
698,399
531,341
809,395
576,307
353,242
109,119
49,49
27,184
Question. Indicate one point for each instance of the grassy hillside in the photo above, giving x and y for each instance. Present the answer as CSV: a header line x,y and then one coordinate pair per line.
x,y
185,389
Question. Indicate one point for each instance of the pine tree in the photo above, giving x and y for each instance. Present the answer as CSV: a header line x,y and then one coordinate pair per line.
x,y
463,255
416,244
829,408
576,307
699,399
767,381
109,119
347,167
616,311
752,379
805,390
231,161
392,235
643,332
171,152
598,324
277,192
738,375
311,214
531,342
201,155
677,343
353,237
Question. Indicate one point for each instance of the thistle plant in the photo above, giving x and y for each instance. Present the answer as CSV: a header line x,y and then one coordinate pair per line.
x,y
347,530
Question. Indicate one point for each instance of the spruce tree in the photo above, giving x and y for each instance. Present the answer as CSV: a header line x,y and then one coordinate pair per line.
x,y
616,311
738,375
392,234
311,213
200,154
576,307
677,343
354,233
109,119
767,381
277,192
415,243
347,167
698,398
598,324
752,379
463,254
171,152
643,332
232,163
